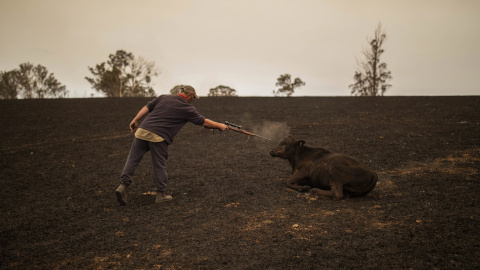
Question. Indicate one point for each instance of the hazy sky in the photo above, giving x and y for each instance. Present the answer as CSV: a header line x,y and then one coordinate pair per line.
x,y
433,46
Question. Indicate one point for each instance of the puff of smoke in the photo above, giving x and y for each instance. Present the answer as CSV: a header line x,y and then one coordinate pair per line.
x,y
275,131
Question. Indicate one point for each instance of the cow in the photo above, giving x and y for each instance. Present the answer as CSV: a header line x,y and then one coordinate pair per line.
x,y
324,173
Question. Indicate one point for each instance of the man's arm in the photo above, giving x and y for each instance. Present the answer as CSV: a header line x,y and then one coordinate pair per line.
x,y
140,115
214,125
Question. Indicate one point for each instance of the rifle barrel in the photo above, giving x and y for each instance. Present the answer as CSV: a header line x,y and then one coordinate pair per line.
x,y
247,133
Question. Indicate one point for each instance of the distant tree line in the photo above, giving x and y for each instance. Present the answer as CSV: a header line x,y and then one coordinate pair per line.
x,y
219,91
222,91
30,81
124,75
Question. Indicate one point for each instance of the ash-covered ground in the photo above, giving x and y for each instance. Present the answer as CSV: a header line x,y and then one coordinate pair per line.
x,y
61,160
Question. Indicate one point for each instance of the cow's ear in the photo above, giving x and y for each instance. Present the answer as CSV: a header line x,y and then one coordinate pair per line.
x,y
301,142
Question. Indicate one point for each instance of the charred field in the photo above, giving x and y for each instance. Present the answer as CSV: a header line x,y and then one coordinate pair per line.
x,y
61,161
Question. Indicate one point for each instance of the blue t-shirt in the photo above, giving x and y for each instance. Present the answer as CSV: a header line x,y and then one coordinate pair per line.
x,y
168,114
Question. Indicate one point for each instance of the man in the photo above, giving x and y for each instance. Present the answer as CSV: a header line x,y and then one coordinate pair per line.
x,y
167,114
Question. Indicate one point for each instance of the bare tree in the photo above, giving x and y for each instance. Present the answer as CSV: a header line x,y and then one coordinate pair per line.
x,y
372,76
140,78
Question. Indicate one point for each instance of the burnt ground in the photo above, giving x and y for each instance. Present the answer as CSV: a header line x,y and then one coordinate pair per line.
x,y
61,160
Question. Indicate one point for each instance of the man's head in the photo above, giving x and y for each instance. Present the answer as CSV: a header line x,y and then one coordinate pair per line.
x,y
189,92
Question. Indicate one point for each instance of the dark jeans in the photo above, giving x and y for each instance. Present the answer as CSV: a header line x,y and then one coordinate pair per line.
x,y
159,153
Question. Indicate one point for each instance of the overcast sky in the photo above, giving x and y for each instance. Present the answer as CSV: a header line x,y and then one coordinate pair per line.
x,y
433,46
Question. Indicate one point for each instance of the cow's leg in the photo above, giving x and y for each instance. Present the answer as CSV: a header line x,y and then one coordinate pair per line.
x,y
321,192
336,192
298,181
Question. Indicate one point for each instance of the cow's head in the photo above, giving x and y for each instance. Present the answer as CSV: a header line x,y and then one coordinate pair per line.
x,y
286,148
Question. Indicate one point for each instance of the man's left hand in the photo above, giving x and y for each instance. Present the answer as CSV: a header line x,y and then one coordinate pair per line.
x,y
133,126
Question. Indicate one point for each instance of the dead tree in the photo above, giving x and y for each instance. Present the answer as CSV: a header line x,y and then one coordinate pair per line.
x,y
372,76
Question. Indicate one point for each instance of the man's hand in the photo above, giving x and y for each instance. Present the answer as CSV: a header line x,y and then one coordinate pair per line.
x,y
223,127
214,125
133,126
140,115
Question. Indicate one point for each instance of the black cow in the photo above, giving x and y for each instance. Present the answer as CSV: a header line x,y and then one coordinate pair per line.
x,y
325,173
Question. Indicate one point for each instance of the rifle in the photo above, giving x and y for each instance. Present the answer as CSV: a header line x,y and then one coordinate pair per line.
x,y
239,129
